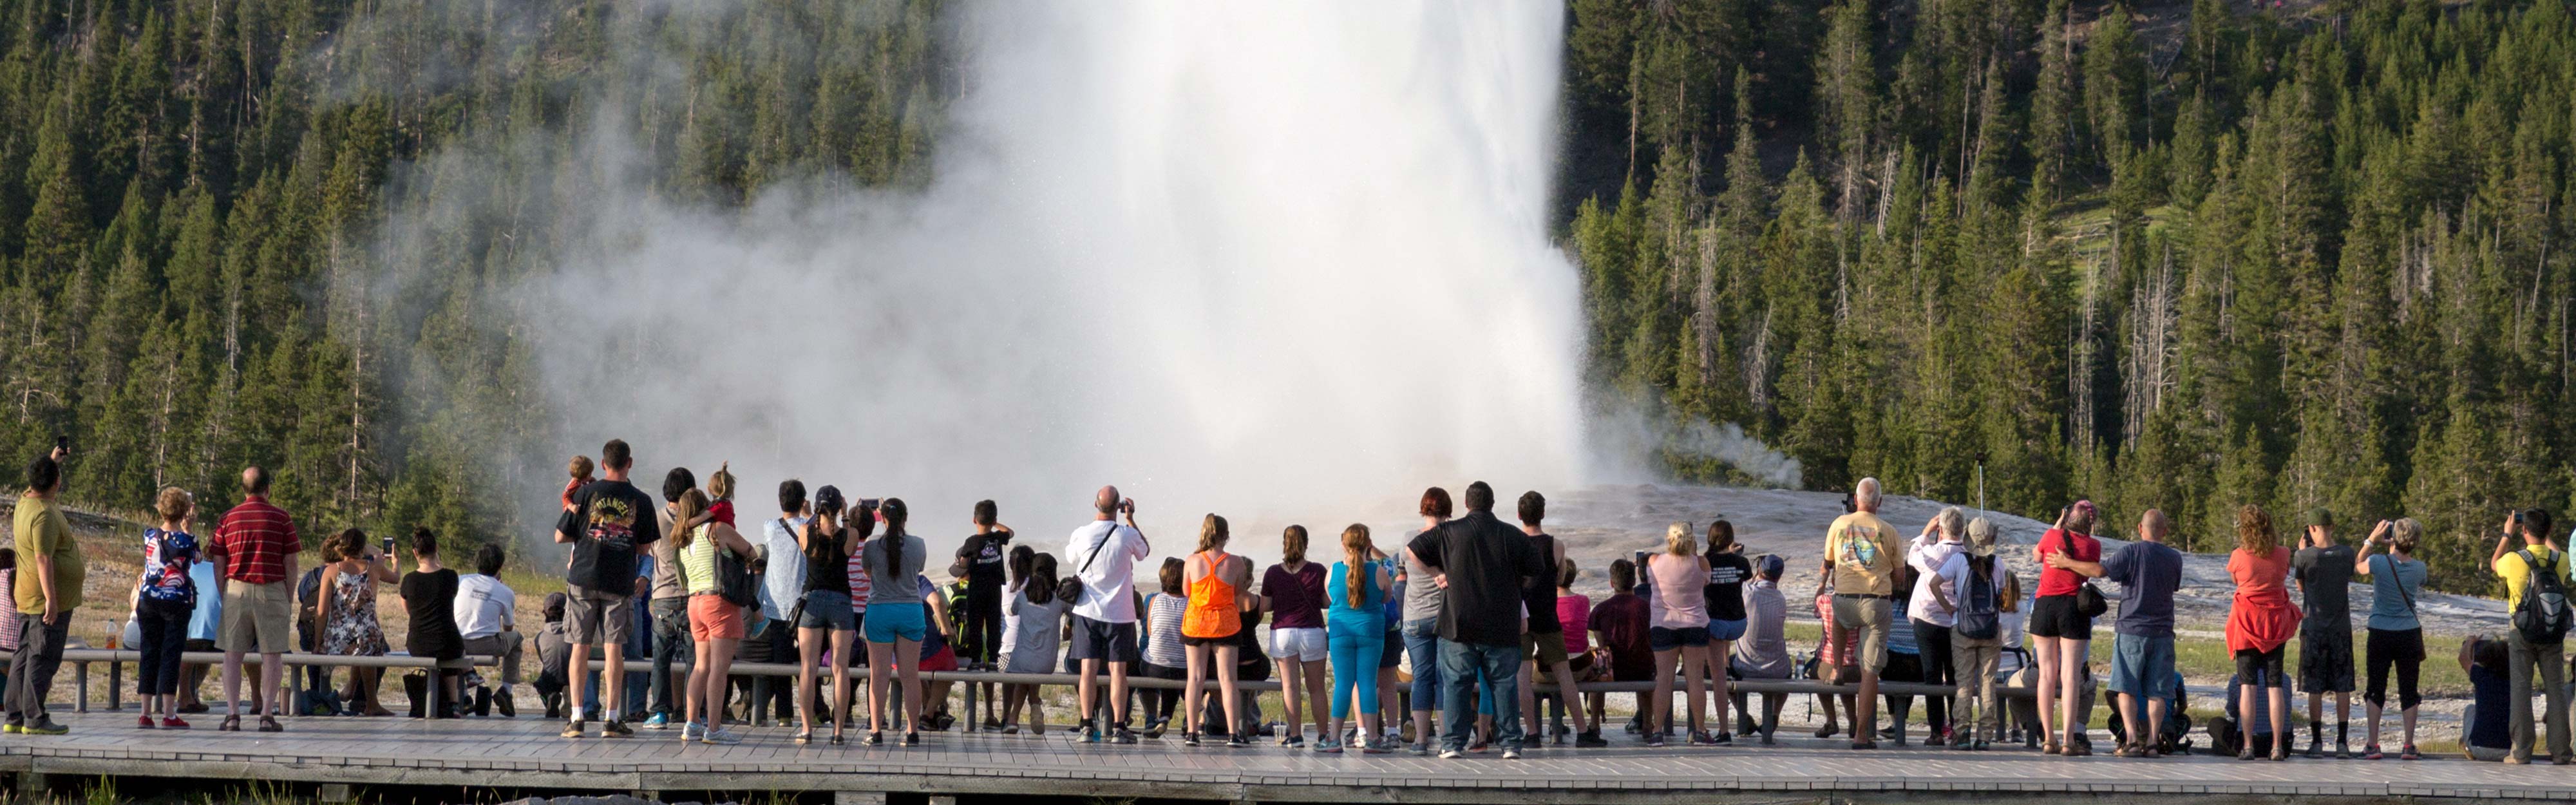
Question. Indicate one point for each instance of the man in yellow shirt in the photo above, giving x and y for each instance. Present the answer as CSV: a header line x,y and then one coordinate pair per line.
x,y
1862,558
2523,550
48,588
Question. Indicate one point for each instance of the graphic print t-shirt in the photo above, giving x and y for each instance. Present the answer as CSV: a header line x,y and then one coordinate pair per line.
x,y
607,520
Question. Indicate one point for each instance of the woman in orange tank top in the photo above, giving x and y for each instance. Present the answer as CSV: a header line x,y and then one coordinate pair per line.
x,y
1214,580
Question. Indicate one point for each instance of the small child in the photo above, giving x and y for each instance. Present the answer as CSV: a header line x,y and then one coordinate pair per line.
x,y
580,468
720,487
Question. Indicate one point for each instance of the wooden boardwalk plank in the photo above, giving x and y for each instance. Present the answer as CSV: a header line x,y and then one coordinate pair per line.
x,y
526,753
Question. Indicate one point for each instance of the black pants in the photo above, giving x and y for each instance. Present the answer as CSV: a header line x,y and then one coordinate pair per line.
x,y
2402,649
31,669
1900,668
1160,702
165,634
1934,640
778,693
982,641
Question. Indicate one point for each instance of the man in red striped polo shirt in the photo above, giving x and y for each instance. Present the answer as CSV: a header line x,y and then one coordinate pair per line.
x,y
254,552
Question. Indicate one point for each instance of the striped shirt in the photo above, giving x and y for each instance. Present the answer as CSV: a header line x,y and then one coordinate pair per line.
x,y
860,585
256,541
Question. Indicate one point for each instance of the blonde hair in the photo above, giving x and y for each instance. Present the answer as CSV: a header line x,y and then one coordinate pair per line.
x,y
1678,540
2403,534
720,485
1292,544
579,467
1355,567
687,508
1212,533
2254,534
174,503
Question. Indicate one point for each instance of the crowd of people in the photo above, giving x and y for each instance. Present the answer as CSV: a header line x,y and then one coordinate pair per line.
x,y
1478,610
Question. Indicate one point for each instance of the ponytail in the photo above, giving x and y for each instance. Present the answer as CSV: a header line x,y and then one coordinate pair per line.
x,y
1039,585
683,509
894,513
1357,573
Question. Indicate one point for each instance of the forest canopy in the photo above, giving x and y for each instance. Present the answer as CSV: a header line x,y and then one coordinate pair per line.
x,y
2184,255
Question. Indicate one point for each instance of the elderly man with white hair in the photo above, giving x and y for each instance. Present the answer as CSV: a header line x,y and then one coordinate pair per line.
x,y
1861,556
1932,611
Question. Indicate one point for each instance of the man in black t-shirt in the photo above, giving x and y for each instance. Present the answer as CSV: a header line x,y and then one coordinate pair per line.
x,y
1479,564
982,557
608,524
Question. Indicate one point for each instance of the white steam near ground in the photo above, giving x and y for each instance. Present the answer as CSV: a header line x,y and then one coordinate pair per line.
x,y
1288,262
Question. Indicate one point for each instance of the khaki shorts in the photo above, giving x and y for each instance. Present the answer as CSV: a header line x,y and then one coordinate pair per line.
x,y
1871,617
598,617
258,618
1547,648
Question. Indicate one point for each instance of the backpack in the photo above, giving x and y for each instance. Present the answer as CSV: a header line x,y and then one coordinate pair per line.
x,y
1977,615
2542,615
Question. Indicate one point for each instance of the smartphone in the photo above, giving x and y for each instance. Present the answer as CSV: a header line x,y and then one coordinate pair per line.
x,y
63,443
389,547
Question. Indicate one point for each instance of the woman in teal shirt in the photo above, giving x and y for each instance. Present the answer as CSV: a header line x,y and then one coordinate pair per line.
x,y
2396,637
1356,636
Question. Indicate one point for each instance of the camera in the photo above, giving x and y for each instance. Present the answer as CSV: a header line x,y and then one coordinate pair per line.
x,y
869,504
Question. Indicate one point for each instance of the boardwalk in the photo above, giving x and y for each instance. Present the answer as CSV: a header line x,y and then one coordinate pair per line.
x,y
525,753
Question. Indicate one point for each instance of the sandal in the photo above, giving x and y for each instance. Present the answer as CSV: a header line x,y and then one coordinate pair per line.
x,y
875,738
230,724
836,739
269,724
805,737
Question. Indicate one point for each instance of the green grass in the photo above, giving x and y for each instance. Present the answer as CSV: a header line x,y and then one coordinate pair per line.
x,y
2206,660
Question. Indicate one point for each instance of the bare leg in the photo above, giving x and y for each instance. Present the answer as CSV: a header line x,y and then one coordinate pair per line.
x,y
577,668
2049,669
910,651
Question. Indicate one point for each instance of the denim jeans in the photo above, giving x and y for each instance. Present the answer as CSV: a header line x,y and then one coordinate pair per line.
x,y
1462,667
670,641
1422,649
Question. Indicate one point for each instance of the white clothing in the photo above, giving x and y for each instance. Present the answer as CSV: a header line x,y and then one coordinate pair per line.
x,y
483,606
1104,555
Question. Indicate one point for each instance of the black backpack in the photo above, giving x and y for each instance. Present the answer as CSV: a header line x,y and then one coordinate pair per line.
x,y
2542,616
1977,616
734,579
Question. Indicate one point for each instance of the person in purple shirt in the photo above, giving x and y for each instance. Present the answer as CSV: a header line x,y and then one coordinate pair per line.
x,y
1294,591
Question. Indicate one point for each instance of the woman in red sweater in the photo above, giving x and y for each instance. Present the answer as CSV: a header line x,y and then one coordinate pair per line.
x,y
2262,618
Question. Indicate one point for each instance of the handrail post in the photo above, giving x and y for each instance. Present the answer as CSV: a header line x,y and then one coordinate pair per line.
x,y
80,680
115,686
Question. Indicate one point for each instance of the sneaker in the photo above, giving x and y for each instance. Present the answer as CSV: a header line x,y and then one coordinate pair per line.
x,y
2371,752
44,727
173,723
142,722
1418,749
658,722
2316,748
2343,750
690,731
1237,740
615,729
1327,746
1451,754
1511,753
509,707
1123,737
1189,738
1375,747
2409,753
1701,738
1294,741
1589,740
1654,737
720,737
2510,760
1090,734
574,729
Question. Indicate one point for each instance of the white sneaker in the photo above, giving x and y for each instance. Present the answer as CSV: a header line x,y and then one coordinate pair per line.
x,y
720,737
691,731
1451,754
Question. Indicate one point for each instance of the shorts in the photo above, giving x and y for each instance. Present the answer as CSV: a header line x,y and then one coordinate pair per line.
x,y
597,617
713,618
2265,664
827,609
897,620
2142,666
1726,630
1188,641
1662,640
1303,644
1393,655
945,659
2056,616
2325,660
1548,648
259,617
1107,642
1871,618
